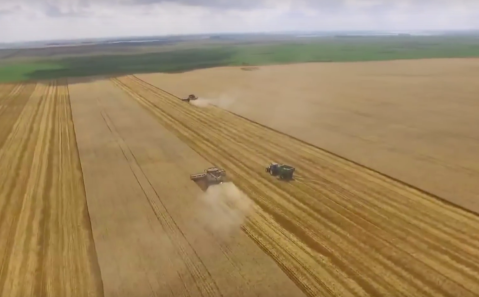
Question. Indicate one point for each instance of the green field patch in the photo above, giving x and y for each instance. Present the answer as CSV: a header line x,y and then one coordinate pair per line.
x,y
22,71
349,49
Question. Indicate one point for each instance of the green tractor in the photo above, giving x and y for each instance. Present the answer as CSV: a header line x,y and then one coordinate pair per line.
x,y
284,172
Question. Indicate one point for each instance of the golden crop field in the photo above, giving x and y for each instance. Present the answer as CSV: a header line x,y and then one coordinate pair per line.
x,y
96,200
46,245
415,120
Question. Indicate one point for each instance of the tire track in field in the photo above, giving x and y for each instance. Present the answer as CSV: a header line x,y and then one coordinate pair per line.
x,y
66,224
461,227
6,98
324,280
423,274
11,129
5,89
454,231
153,266
45,245
9,94
14,103
200,275
364,284
313,287
13,158
465,262
260,165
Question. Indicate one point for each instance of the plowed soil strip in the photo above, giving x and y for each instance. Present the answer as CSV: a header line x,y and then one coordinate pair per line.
x,y
379,234
45,246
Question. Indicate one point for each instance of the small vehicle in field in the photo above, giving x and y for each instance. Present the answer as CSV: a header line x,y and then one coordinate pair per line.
x,y
190,97
284,172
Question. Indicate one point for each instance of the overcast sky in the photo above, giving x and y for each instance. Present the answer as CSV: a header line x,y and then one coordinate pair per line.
x,y
23,20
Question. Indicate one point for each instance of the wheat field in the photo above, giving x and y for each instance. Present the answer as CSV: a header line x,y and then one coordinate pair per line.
x,y
96,200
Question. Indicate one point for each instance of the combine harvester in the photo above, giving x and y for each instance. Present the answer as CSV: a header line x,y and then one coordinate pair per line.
x,y
211,176
191,97
284,172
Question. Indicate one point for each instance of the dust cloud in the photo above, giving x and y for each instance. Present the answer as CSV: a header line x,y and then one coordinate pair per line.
x,y
201,102
220,211
223,209
223,101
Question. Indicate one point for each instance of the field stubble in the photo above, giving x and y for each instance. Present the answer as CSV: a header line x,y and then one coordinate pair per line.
x,y
414,120
338,228
42,202
155,232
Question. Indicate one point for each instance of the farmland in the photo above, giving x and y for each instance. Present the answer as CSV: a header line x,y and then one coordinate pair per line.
x,y
113,59
97,170
414,120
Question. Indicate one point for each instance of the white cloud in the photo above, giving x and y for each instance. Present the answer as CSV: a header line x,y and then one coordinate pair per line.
x,y
63,19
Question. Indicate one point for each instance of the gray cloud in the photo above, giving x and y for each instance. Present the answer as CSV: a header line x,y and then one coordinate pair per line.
x,y
314,4
248,4
55,11
238,4
372,7
106,18
60,8
5,12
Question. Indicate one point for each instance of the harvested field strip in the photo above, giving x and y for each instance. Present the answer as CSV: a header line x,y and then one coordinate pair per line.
x,y
5,89
330,281
283,249
371,235
9,97
196,268
45,248
154,231
12,105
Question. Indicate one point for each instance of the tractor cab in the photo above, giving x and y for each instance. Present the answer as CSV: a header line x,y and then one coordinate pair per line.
x,y
273,169
284,172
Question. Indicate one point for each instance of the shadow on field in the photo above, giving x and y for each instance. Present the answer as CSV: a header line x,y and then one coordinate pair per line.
x,y
111,65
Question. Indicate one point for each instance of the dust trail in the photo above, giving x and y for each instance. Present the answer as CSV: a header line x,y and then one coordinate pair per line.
x,y
223,101
220,211
201,102
223,209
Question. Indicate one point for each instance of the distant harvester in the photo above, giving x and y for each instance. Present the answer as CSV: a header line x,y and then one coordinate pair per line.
x,y
190,97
